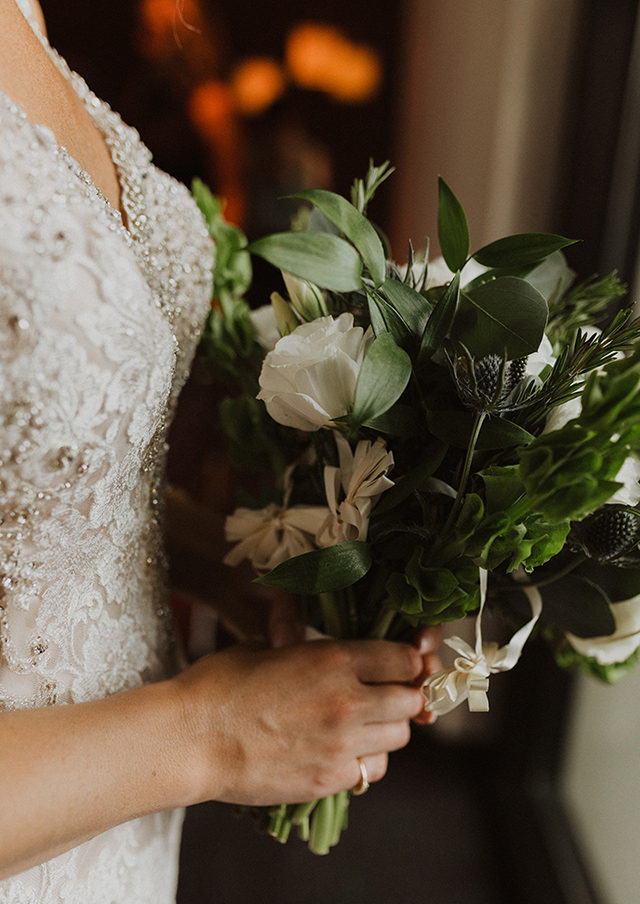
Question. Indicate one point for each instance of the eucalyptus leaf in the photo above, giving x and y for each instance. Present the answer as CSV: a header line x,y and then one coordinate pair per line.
x,y
354,226
322,259
454,427
383,377
399,420
321,570
453,232
506,314
522,250
579,606
440,320
552,278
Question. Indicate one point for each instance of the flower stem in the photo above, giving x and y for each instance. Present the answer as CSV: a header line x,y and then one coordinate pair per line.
x,y
579,559
382,624
466,469
331,614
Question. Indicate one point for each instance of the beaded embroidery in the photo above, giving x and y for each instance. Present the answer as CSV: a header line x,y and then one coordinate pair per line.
x,y
98,325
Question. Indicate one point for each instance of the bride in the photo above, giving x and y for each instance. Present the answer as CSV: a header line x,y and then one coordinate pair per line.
x,y
104,734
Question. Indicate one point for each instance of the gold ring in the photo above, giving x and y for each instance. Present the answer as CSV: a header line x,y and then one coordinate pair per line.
x,y
363,784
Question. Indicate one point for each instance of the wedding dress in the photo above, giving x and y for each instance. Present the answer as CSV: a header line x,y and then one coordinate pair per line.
x,y
99,320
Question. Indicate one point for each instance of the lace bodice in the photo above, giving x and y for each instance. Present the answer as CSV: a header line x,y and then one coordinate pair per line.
x,y
98,324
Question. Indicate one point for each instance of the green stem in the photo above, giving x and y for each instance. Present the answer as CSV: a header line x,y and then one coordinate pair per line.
x,y
331,614
579,559
322,826
354,622
466,469
382,624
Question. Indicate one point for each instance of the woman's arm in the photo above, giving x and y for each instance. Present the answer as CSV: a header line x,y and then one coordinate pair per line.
x,y
240,726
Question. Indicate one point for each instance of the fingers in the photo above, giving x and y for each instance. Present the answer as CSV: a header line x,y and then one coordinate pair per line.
x,y
427,640
380,661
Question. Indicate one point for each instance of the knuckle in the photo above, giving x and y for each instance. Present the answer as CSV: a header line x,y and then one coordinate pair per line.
x,y
342,706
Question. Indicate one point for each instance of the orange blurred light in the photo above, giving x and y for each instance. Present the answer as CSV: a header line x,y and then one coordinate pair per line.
x,y
256,84
164,22
321,57
211,108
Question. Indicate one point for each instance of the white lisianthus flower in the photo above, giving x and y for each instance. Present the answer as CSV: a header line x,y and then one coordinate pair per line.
x,y
362,476
618,646
309,378
438,274
265,326
272,535
537,361
306,298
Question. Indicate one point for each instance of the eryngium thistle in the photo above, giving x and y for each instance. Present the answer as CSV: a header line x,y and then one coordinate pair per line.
x,y
490,383
609,533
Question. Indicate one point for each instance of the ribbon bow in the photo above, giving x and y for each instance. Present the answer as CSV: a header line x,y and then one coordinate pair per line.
x,y
468,678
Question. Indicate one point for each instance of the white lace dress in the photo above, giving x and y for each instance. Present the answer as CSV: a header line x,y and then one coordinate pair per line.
x,y
98,325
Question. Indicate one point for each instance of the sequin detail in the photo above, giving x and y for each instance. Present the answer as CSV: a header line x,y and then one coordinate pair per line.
x,y
99,320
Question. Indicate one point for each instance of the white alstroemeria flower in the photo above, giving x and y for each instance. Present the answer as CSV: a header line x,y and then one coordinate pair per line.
x,y
272,535
362,477
265,326
618,646
309,378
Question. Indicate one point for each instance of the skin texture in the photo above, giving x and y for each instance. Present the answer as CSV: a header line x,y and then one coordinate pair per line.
x,y
223,729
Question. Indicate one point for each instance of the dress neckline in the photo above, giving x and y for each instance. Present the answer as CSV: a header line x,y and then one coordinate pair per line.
x,y
94,107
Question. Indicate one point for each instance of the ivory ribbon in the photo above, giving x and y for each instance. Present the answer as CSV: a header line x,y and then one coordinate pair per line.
x,y
468,678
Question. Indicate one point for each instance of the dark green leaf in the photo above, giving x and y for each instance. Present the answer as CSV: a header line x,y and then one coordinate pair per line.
x,y
324,260
322,570
354,226
383,377
506,314
578,606
414,479
441,320
521,250
453,232
381,312
454,427
399,420
410,305
502,487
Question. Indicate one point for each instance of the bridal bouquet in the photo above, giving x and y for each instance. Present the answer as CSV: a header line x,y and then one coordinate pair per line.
x,y
430,440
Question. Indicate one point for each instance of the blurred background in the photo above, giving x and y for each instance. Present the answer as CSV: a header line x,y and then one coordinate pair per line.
x,y
530,110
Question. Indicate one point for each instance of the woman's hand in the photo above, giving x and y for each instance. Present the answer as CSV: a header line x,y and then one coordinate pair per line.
x,y
288,725
427,641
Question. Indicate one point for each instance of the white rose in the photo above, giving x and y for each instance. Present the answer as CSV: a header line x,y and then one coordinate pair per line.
x,y
309,378
618,646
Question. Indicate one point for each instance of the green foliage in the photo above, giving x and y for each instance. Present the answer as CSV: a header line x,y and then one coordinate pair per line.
x,y
323,259
504,316
322,570
354,226
453,232
383,377
569,658
523,250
